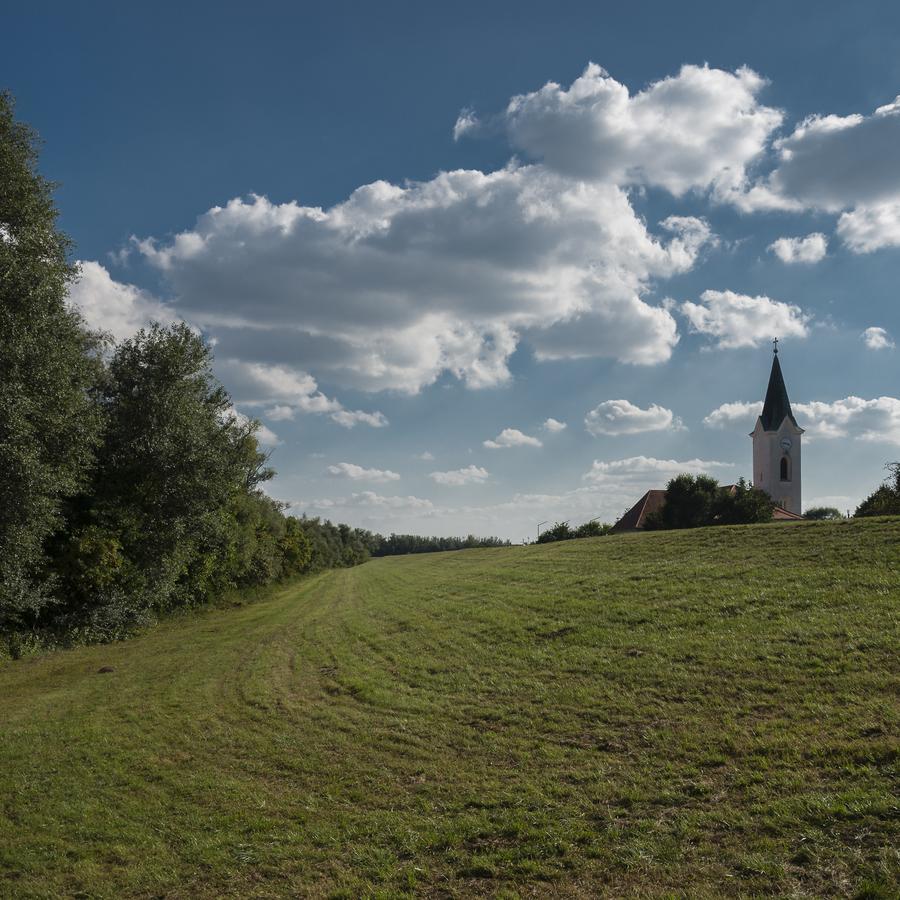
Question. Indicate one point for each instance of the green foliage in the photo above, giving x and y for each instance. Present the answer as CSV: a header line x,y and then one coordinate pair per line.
x,y
820,513
742,505
648,715
562,532
398,544
333,546
174,467
559,531
693,501
690,502
885,501
593,529
130,486
295,548
49,366
169,513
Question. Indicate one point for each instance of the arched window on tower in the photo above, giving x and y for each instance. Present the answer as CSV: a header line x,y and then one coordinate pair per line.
x,y
785,469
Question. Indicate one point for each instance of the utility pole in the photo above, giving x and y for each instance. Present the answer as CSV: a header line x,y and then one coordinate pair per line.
x,y
539,529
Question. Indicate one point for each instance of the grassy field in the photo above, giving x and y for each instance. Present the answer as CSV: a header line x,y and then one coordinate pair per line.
x,y
712,713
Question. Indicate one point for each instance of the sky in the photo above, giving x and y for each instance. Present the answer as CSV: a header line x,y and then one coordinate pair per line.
x,y
479,266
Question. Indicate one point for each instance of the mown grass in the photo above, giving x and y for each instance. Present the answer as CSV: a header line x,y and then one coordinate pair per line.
x,y
712,713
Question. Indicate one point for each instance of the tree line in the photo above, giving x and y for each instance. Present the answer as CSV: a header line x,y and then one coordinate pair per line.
x,y
130,486
561,531
398,544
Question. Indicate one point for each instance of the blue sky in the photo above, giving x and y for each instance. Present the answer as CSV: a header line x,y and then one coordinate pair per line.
x,y
613,250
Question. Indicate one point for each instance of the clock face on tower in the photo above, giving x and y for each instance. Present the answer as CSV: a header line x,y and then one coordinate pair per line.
x,y
786,443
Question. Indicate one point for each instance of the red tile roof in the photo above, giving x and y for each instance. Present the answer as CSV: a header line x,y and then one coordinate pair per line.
x,y
779,512
636,517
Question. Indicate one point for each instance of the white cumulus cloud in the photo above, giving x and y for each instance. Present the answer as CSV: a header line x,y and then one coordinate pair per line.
x,y
869,228
351,418
835,162
466,122
512,437
736,320
743,412
809,249
840,164
360,473
397,285
554,426
109,305
698,129
459,477
865,420
615,417
290,390
878,339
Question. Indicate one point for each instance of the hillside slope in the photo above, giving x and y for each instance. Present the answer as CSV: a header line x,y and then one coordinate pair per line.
x,y
712,712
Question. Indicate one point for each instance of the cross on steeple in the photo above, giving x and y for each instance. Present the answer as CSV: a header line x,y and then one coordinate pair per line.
x,y
775,346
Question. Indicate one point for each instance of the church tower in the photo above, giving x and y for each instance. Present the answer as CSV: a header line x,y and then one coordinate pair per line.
x,y
776,445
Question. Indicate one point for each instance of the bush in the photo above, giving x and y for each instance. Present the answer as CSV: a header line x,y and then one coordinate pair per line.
x,y
823,512
559,532
592,529
885,501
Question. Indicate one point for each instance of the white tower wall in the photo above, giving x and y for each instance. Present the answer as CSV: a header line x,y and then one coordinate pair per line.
x,y
769,449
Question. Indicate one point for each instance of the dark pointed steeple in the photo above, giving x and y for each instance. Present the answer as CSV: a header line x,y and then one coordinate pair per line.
x,y
777,404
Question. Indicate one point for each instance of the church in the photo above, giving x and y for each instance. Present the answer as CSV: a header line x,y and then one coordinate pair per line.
x,y
776,459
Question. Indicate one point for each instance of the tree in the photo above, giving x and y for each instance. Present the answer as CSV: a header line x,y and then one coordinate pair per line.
x,y
690,501
296,549
592,529
559,532
693,501
885,501
742,505
49,366
174,464
823,512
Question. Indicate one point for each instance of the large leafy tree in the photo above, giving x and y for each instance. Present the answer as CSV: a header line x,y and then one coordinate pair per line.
x,y
174,464
690,502
48,422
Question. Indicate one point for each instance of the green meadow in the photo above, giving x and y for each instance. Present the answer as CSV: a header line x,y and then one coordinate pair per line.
x,y
697,714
